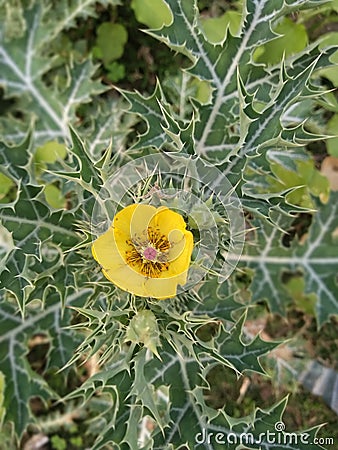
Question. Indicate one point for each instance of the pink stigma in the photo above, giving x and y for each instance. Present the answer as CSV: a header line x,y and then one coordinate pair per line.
x,y
150,253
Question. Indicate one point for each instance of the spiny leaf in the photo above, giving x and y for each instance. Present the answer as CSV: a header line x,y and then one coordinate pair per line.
x,y
181,372
218,64
319,261
149,109
106,123
247,115
22,382
23,64
86,173
16,161
217,300
316,258
36,232
244,356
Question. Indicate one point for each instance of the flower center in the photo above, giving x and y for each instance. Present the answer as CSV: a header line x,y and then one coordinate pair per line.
x,y
149,253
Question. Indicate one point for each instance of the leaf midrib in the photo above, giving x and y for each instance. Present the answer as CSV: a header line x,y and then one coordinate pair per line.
x,y
40,224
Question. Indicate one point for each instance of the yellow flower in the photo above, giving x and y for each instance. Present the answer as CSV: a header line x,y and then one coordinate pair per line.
x,y
146,251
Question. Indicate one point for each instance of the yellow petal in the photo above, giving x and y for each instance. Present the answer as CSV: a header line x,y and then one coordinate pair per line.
x,y
111,248
163,288
127,279
178,242
122,243
168,220
179,263
105,251
122,218
134,219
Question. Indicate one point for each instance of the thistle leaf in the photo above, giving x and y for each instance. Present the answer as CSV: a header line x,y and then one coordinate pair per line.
x,y
215,134
36,232
21,382
316,258
23,64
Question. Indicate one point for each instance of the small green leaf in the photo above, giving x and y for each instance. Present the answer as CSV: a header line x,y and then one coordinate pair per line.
x,y
50,152
5,185
58,443
143,329
215,28
294,39
110,42
54,196
307,177
117,71
330,39
203,90
153,13
296,287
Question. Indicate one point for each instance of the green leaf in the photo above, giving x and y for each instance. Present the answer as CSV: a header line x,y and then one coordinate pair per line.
x,y
316,259
5,184
50,152
297,178
293,39
244,356
116,71
171,390
263,96
37,233
108,33
215,28
82,169
23,65
153,13
217,300
330,39
106,124
54,197
150,111
21,382
145,391
319,259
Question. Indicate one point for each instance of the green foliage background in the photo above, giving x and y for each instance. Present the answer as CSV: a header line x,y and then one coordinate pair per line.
x,y
249,102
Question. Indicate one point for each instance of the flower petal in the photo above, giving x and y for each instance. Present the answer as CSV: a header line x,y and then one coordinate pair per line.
x,y
163,288
179,263
111,250
134,219
178,242
127,279
168,220
105,251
